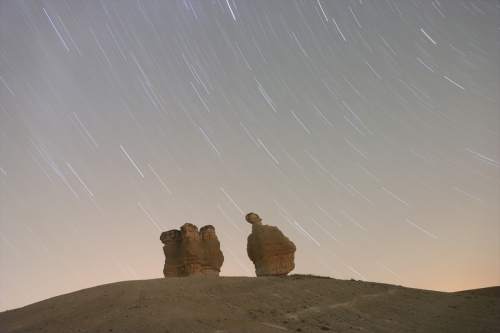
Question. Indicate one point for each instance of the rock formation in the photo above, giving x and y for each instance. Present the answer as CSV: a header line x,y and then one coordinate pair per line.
x,y
271,252
191,253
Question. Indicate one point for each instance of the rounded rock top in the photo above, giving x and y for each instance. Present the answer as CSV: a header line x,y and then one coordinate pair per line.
x,y
253,218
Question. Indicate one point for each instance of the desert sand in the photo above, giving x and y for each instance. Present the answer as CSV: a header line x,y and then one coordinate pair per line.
x,y
296,303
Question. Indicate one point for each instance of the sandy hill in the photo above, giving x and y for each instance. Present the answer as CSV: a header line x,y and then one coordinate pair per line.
x,y
296,303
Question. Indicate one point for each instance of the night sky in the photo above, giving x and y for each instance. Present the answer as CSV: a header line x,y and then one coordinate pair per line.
x,y
366,130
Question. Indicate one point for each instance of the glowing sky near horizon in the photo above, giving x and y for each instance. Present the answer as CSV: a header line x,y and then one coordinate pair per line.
x,y
367,131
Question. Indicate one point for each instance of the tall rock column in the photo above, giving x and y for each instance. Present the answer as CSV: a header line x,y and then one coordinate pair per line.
x,y
191,253
271,252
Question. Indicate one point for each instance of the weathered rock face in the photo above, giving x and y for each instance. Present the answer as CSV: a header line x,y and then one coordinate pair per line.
x,y
271,252
191,253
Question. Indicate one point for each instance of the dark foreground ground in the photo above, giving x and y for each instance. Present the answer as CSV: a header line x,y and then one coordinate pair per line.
x,y
245,304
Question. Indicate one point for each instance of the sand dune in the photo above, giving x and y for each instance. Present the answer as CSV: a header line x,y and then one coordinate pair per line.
x,y
264,304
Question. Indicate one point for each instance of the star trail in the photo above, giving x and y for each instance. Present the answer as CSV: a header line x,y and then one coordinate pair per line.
x,y
366,130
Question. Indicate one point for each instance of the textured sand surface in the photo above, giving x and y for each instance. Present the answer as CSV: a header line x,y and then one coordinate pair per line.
x,y
264,304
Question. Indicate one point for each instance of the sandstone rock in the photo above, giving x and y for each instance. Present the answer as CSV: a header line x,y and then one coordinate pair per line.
x,y
271,252
191,253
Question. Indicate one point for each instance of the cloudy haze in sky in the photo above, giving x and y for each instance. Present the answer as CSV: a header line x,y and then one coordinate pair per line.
x,y
366,130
